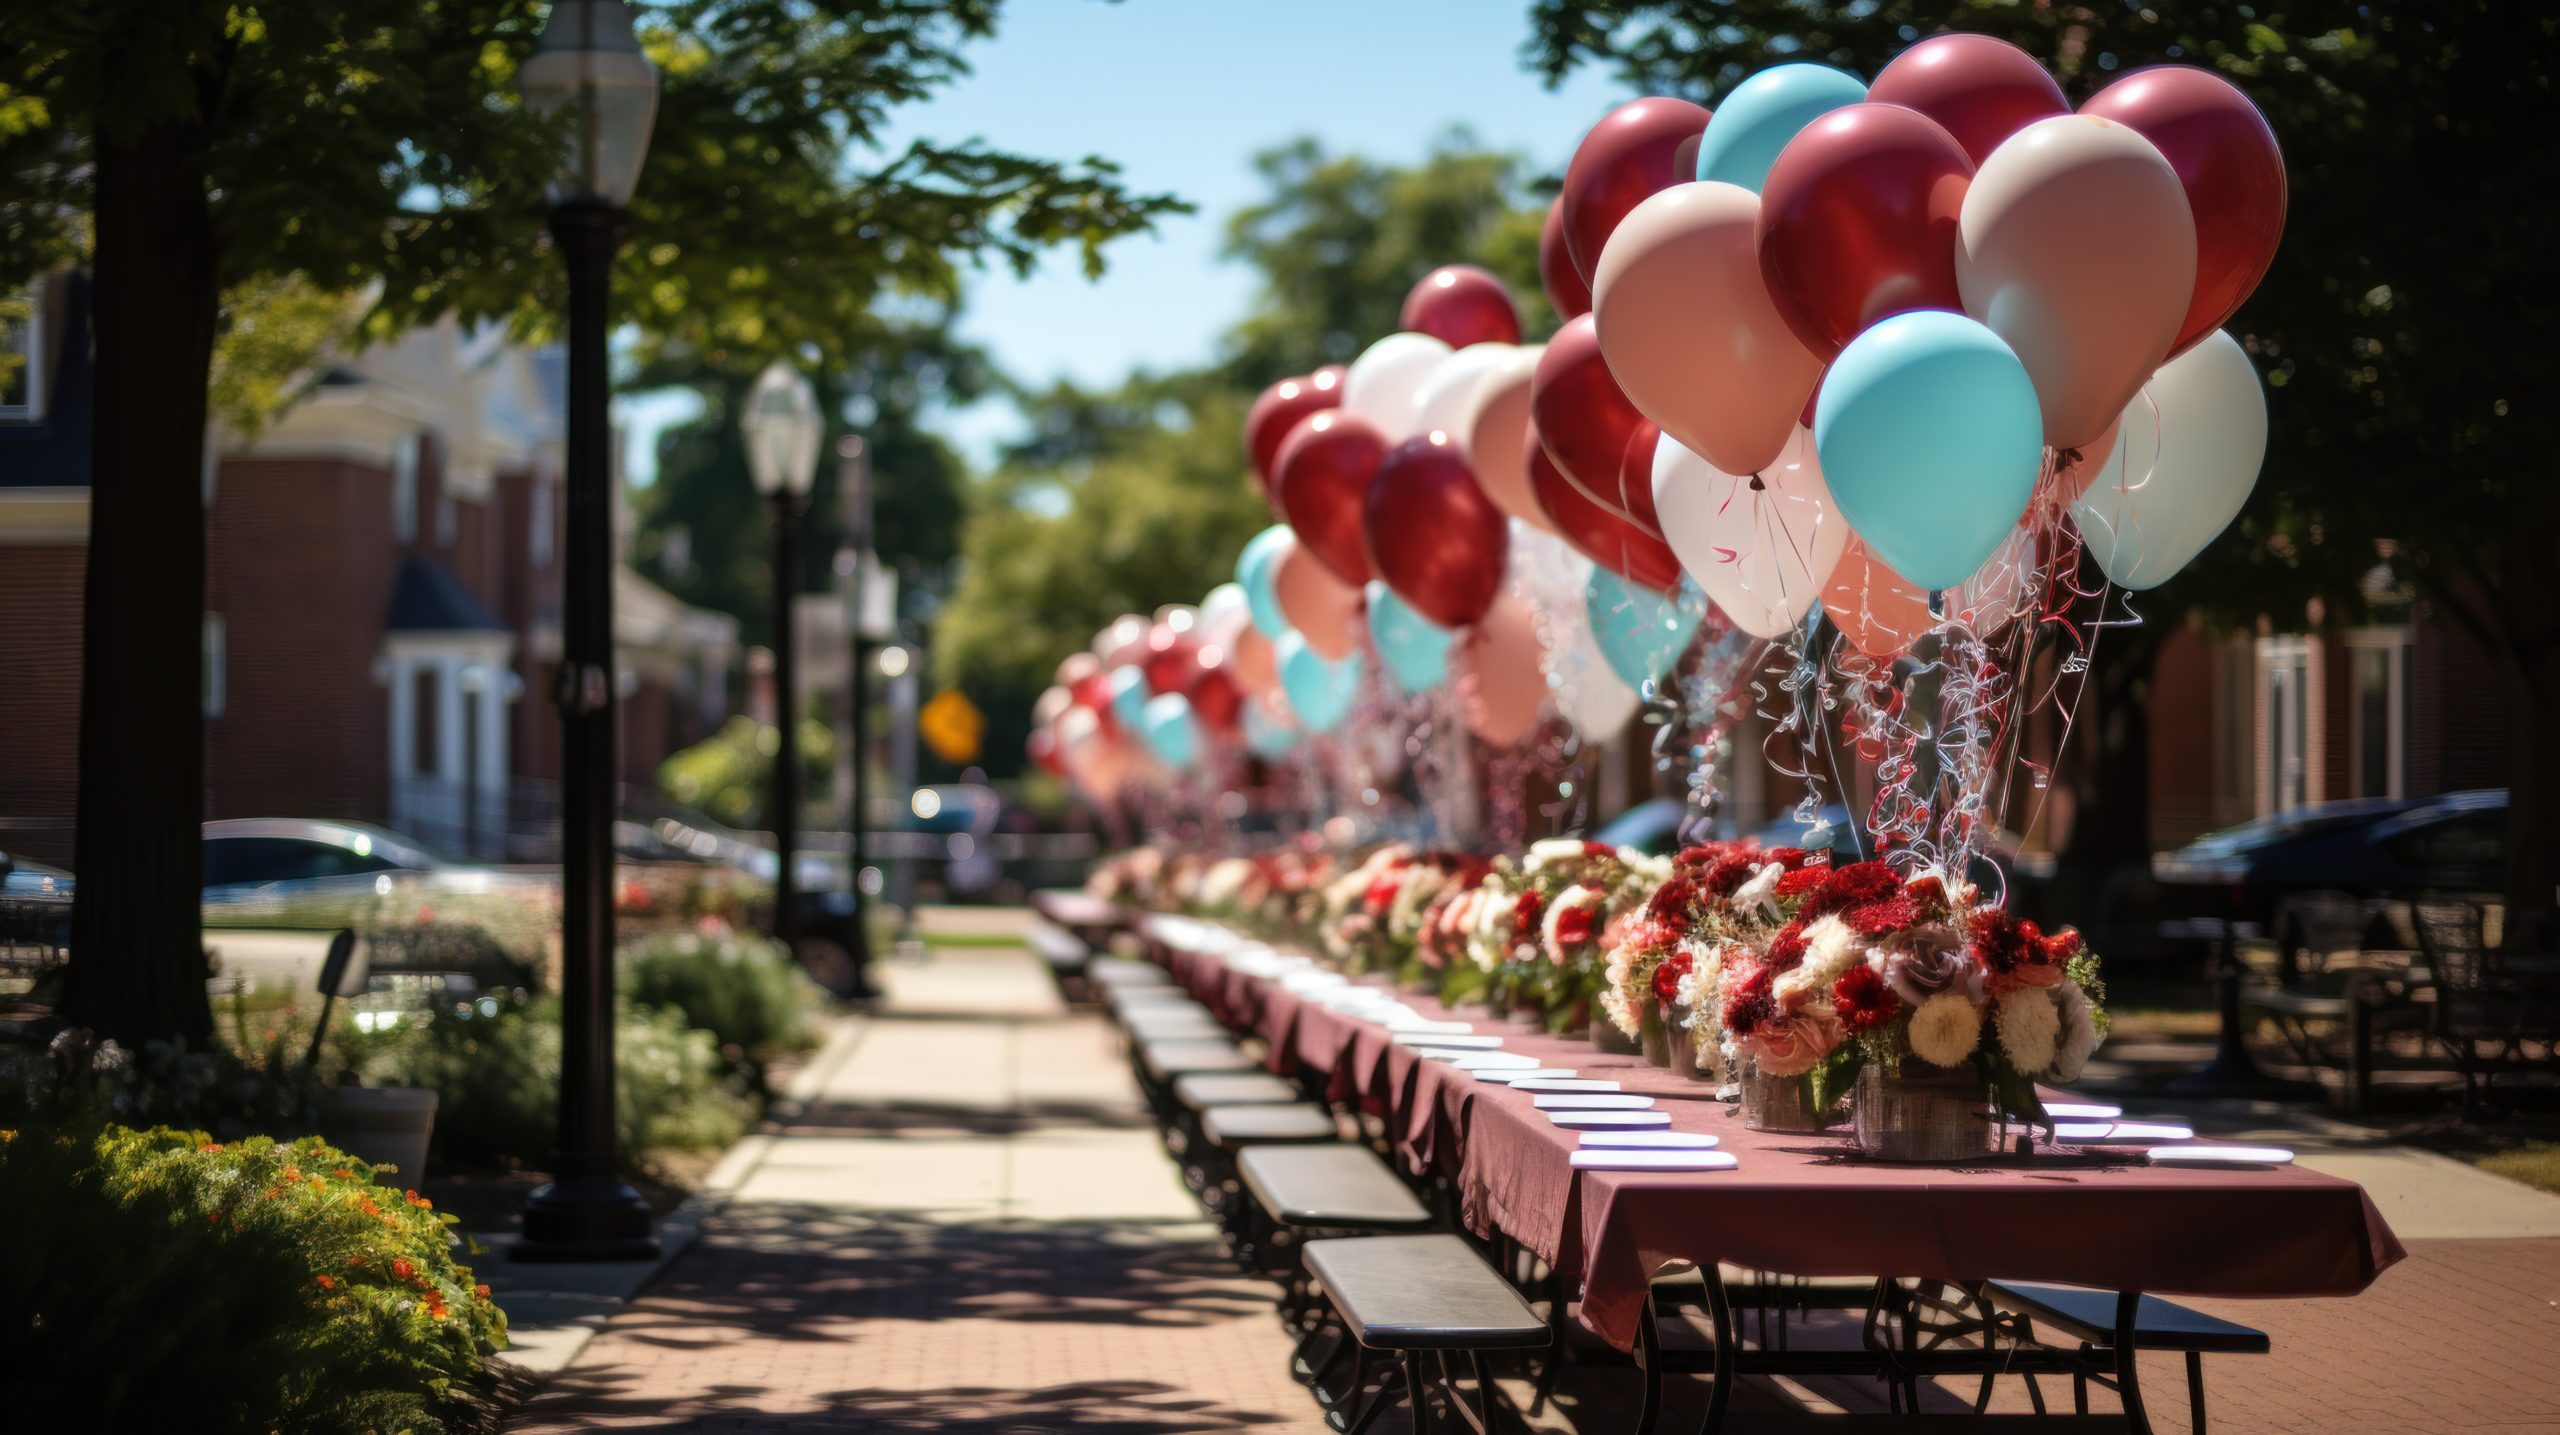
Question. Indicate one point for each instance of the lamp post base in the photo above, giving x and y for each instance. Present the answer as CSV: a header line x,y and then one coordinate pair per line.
x,y
586,1218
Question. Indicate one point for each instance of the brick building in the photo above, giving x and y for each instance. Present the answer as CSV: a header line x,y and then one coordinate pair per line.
x,y
383,598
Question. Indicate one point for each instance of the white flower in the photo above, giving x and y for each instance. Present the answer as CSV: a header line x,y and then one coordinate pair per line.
x,y
1760,893
1945,1030
1551,851
1620,1012
2028,1026
1698,985
2079,1031
1831,949
1651,872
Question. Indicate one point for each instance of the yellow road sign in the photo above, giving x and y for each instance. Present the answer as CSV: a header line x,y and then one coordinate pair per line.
x,y
952,726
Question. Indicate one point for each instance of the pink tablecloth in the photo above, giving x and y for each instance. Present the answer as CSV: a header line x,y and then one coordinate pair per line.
x,y
1802,1204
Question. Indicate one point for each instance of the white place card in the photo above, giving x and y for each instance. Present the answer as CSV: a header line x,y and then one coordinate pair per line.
x,y
1604,1120
1647,1140
2119,1133
1640,1160
1594,1101
1496,1061
1514,1076
1566,1083
1449,1041
1407,1021
2220,1156
2082,1111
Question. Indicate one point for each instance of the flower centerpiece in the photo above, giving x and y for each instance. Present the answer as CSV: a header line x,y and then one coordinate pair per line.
x,y
1662,971
1540,923
1354,931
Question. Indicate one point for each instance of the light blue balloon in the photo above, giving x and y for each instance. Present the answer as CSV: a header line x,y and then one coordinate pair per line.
x,y
1170,730
1930,439
1267,735
1320,690
1641,632
1256,569
1128,687
1763,113
1416,650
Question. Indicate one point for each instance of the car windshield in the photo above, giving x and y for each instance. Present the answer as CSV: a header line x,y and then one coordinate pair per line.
x,y
2301,822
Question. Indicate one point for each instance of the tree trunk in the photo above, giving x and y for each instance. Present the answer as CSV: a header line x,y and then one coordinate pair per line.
x,y
138,966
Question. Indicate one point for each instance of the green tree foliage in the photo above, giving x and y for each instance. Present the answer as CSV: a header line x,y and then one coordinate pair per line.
x,y
193,146
2396,329
1125,500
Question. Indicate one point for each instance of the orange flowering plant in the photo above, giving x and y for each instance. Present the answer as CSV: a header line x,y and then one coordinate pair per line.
x,y
165,1280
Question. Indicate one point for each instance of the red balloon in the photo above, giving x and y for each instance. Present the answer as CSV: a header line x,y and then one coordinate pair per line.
x,y
1171,658
1579,412
1320,480
1595,532
1635,478
1979,90
1093,691
1858,222
1215,699
1459,304
1042,747
2227,158
1434,538
1638,148
1278,410
1566,290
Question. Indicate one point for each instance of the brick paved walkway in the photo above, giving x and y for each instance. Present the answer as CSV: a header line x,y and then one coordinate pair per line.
x,y
974,1230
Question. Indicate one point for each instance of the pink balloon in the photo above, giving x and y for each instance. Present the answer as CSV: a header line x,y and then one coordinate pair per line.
x,y
1875,608
2075,245
1255,666
1317,604
1076,668
1501,686
1690,332
1495,438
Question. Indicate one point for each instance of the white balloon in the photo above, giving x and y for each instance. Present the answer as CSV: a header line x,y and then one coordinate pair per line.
x,y
1224,614
1387,377
1761,545
1077,727
1447,399
1550,577
1052,705
2187,453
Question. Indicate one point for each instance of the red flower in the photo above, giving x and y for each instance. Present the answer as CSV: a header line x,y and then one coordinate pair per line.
x,y
1800,880
1671,901
1849,886
1381,895
1863,1000
1728,874
1928,892
1666,977
402,1270
1875,919
1598,849
1790,858
327,1283
2016,953
1574,926
481,1291
1525,915
1750,1003
1786,950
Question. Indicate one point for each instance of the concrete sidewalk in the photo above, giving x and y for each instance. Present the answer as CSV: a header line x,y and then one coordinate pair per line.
x,y
972,1228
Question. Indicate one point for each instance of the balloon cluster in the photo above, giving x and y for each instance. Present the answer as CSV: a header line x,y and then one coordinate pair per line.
x,y
1878,356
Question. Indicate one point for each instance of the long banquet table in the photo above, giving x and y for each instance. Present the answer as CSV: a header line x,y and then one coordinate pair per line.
x,y
1798,1204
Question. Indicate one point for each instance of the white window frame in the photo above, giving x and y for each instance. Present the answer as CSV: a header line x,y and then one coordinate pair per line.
x,y
2394,641
31,339
2296,653
404,488
217,659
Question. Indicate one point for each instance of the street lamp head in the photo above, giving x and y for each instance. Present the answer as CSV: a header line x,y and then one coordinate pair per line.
x,y
783,428
588,63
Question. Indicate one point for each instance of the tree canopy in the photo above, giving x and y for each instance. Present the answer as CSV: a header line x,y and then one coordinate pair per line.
x,y
1124,500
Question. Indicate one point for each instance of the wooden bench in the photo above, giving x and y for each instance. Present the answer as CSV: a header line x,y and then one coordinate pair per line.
x,y
1061,951
2093,1317
1418,1296
1125,1002
1173,1024
1167,1059
1113,973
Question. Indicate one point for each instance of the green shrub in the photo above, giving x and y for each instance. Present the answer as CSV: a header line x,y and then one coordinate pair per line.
x,y
495,1067
746,991
160,1280
79,1081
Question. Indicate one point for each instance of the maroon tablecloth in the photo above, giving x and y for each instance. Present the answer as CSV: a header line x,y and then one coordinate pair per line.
x,y
1802,1204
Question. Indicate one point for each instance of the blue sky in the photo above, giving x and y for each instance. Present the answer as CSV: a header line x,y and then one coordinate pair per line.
x,y
1181,93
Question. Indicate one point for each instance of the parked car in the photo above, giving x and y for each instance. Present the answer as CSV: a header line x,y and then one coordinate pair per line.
x,y
418,911
35,913
2376,848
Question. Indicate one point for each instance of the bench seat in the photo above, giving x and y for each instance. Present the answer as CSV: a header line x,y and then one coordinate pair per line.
x,y
1234,1088
1334,1187
2090,1316
1230,1128
1167,1059
1422,1293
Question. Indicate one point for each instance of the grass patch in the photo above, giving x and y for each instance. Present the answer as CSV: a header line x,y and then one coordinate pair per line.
x,y
2535,1163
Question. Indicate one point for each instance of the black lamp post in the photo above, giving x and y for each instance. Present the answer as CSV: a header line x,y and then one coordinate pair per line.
x,y
853,476
782,427
588,65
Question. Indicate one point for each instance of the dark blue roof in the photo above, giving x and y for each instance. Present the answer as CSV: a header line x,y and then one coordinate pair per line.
x,y
427,599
